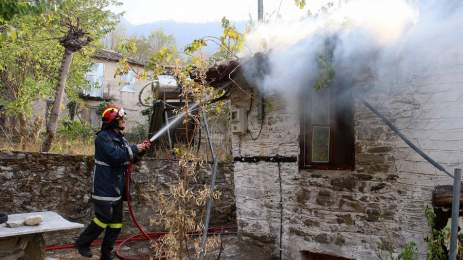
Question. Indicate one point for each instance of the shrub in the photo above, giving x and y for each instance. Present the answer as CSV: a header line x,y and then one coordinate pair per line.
x,y
436,239
74,130
137,134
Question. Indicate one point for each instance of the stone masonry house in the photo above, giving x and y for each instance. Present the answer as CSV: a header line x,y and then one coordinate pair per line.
x,y
123,90
106,87
334,182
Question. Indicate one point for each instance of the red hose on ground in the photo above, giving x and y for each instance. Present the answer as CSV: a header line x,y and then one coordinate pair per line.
x,y
128,179
143,235
154,235
231,229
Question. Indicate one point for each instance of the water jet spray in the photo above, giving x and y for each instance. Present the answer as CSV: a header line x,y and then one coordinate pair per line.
x,y
172,123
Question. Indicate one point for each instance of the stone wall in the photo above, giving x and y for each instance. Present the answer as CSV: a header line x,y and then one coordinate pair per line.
x,y
62,183
279,134
349,213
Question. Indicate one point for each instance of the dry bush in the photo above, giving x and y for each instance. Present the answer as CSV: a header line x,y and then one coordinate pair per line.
x,y
181,210
26,135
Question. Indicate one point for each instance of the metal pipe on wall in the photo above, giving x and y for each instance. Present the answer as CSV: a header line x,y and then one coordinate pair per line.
x,y
212,187
405,139
456,181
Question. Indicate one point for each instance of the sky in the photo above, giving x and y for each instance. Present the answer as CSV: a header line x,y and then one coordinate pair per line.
x,y
198,11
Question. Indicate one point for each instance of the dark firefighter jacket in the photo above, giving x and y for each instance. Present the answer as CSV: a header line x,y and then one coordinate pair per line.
x,y
112,157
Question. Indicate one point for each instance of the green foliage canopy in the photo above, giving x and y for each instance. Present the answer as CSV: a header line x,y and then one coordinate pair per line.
x,y
148,46
29,61
300,3
11,8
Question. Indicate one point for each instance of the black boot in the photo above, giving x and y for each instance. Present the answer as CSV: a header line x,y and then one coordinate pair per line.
x,y
110,237
86,238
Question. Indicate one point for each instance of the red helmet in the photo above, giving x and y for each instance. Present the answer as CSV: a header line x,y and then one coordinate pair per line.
x,y
111,113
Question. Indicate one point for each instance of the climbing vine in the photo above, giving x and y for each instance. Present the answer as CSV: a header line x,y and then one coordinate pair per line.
x,y
436,243
408,252
436,239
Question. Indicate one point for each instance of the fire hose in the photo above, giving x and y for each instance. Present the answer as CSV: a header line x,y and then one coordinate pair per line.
x,y
128,180
143,235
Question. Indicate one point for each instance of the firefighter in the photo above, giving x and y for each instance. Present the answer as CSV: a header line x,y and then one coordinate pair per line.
x,y
113,154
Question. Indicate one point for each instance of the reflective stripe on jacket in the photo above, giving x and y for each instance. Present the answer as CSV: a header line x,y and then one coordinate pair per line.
x,y
112,157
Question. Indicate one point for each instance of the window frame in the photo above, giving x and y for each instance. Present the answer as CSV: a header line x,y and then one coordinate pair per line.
x,y
97,79
306,133
129,83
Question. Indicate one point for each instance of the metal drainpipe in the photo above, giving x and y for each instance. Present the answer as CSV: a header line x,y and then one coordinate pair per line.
x,y
281,210
405,139
209,202
260,10
456,181
167,122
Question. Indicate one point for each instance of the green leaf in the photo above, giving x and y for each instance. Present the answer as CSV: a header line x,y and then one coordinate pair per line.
x,y
13,35
225,22
196,45
300,3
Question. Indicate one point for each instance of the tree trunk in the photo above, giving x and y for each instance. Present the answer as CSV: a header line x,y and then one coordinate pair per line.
x,y
52,122
23,134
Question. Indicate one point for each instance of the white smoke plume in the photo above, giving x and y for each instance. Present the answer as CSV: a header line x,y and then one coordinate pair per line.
x,y
388,39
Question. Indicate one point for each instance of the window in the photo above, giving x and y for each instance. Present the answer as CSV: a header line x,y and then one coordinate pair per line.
x,y
129,82
95,77
327,134
317,256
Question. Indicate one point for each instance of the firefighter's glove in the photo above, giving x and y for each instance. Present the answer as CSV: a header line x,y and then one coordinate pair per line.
x,y
145,146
